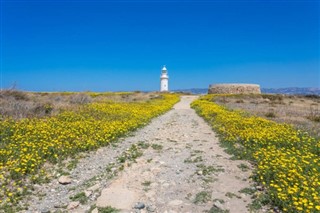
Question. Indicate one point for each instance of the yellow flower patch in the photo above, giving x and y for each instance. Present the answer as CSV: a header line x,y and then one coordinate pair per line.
x,y
27,144
287,159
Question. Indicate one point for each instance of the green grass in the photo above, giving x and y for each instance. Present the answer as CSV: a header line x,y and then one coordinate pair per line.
x,y
81,197
208,170
232,195
248,191
157,147
146,183
243,167
143,145
107,209
194,160
202,197
215,209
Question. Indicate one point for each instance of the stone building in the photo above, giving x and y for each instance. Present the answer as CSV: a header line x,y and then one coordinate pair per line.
x,y
234,89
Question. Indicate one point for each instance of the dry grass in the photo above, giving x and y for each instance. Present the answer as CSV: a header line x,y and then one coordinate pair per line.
x,y
301,111
18,104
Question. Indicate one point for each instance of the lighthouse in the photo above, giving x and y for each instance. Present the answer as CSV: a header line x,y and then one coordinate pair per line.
x,y
164,80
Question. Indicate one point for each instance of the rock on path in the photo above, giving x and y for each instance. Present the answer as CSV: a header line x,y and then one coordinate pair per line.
x,y
183,170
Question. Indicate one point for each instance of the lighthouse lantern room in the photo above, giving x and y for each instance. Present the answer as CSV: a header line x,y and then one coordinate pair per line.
x,y
164,80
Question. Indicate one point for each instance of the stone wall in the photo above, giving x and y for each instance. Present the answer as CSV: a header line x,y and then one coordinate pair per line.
x,y
234,89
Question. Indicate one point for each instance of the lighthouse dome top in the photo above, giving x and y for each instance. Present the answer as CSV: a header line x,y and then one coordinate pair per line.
x,y
164,68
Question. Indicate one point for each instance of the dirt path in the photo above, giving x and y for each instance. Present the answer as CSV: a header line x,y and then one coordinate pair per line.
x,y
181,169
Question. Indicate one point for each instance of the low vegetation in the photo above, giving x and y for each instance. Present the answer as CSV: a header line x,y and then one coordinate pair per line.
x,y
303,112
81,197
287,160
202,197
108,209
27,141
18,104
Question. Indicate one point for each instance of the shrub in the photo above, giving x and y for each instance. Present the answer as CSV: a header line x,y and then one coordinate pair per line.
x,y
272,97
314,115
270,115
16,94
239,101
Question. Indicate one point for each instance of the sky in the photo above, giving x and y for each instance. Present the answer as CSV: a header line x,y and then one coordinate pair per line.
x,y
109,45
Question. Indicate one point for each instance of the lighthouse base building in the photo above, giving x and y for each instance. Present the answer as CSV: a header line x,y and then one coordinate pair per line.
x,y
164,80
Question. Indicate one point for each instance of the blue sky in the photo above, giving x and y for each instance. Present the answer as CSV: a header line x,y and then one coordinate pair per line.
x,y
122,45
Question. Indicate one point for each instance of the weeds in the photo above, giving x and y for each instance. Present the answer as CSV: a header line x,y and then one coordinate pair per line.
x,y
143,145
314,114
72,164
208,170
146,183
215,209
270,115
243,167
202,197
193,160
259,201
157,147
248,191
130,154
108,209
232,195
81,197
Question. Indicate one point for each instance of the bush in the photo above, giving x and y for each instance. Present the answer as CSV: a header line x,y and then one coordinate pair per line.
x,y
270,115
17,95
314,115
272,97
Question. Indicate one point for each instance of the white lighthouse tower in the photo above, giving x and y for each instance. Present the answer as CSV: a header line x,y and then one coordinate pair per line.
x,y
164,80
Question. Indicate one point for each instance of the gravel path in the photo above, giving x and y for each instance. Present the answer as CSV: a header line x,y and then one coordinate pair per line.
x,y
174,164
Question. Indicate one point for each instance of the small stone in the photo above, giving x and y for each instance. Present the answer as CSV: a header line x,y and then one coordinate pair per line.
x,y
45,210
94,187
64,180
165,185
218,204
86,208
36,186
139,205
73,205
199,172
88,193
95,210
60,205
